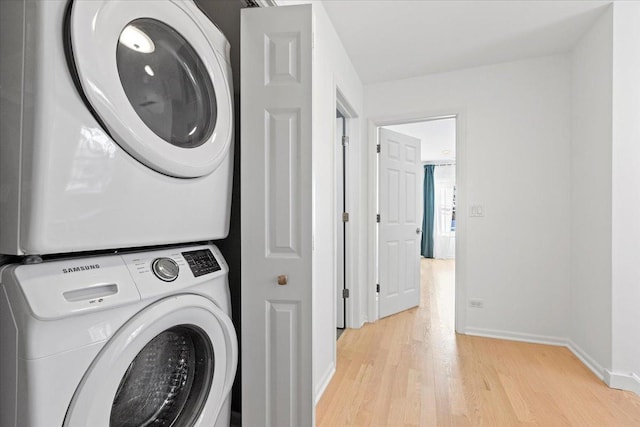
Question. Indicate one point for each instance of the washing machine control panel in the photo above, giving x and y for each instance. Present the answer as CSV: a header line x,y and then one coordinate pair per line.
x,y
165,269
201,262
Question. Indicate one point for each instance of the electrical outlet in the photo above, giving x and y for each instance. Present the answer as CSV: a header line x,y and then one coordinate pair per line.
x,y
476,303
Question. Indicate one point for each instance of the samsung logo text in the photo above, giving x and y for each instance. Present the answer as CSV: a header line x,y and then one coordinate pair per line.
x,y
81,268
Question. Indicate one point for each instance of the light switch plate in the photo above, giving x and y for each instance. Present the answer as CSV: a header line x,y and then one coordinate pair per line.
x,y
476,210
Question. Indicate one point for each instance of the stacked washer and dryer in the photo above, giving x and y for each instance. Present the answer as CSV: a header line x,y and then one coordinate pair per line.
x,y
116,133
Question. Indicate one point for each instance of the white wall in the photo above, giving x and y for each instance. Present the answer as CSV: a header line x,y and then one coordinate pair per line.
x,y
626,197
552,153
605,199
590,216
516,119
332,70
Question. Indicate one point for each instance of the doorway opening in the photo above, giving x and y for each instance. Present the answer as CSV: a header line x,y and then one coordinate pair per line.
x,y
342,140
345,182
431,192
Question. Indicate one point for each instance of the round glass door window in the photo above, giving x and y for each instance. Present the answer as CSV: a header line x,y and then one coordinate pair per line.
x,y
167,383
166,82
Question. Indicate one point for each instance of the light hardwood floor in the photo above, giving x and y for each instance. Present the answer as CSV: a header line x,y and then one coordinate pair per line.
x,y
411,369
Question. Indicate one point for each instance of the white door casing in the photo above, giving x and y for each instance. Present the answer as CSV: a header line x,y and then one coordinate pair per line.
x,y
340,245
276,216
399,233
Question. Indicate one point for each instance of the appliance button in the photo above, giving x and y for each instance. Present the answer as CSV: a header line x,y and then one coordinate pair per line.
x,y
165,269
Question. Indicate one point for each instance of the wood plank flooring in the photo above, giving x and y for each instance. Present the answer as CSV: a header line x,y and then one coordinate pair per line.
x,y
411,369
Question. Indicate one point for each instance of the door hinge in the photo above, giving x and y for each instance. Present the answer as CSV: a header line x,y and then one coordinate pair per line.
x,y
378,148
345,293
345,216
378,218
345,141
378,287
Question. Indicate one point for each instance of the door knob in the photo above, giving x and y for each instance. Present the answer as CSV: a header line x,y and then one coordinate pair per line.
x,y
418,231
283,280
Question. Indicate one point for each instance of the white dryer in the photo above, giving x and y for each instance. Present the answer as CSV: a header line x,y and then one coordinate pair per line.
x,y
137,339
116,125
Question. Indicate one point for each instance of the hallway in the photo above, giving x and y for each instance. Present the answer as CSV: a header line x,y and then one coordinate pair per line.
x,y
411,369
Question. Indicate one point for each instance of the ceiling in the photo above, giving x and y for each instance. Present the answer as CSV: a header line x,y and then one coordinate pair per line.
x,y
397,39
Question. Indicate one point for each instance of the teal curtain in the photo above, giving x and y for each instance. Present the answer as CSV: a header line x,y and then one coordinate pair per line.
x,y
426,248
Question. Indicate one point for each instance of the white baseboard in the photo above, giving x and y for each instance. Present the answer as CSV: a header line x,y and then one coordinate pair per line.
x,y
587,360
630,382
324,382
516,336
363,320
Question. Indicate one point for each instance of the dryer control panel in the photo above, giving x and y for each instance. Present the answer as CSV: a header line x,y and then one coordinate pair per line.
x,y
201,262
171,270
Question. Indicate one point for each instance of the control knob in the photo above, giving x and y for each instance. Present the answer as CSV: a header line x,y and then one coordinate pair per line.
x,y
165,269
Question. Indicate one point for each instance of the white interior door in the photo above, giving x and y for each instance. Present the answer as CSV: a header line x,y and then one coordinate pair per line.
x,y
276,197
399,199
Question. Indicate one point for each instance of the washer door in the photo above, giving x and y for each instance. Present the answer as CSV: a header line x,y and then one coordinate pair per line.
x,y
172,364
153,77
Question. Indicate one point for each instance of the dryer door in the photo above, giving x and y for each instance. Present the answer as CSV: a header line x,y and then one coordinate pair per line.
x,y
173,364
156,76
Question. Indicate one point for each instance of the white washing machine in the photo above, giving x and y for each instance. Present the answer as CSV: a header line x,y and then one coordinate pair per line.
x,y
137,339
116,125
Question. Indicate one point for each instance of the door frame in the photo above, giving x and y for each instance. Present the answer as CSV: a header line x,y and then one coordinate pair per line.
x,y
342,206
350,235
461,206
